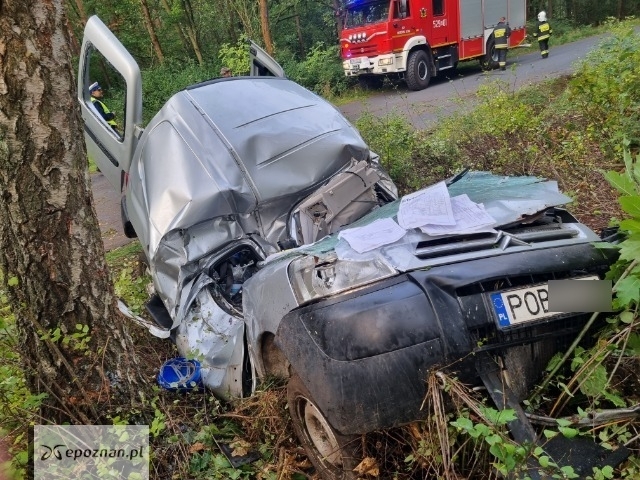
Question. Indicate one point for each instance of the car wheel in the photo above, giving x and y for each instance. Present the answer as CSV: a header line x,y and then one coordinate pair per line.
x,y
333,455
418,70
490,60
129,231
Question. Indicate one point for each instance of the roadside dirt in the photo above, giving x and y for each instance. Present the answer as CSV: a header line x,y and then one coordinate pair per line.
x,y
107,203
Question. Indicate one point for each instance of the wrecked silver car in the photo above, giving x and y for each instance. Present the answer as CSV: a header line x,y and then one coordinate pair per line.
x,y
277,245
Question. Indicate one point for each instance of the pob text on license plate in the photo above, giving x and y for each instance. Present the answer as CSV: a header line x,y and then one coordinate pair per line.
x,y
524,305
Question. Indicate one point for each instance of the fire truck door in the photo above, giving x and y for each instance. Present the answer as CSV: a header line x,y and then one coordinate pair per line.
x,y
439,22
407,22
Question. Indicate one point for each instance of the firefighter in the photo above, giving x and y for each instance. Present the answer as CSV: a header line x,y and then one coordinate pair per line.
x,y
501,34
543,33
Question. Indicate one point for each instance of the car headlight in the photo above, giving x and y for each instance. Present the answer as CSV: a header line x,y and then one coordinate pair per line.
x,y
313,277
385,61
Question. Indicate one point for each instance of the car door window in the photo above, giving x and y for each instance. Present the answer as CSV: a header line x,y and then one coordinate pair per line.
x,y
106,95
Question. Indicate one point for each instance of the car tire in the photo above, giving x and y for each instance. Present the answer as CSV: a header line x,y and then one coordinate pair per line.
x,y
490,59
332,454
418,70
129,231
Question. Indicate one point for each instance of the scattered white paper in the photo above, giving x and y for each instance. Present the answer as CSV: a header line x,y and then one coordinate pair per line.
x,y
470,217
376,234
431,206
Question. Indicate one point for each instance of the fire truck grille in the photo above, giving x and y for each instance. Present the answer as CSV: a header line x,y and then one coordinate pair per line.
x,y
360,50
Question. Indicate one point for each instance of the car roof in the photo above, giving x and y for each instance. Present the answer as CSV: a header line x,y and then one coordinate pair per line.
x,y
283,137
241,147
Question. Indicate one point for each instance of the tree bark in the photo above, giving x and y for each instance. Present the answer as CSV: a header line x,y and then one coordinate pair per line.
x,y
51,255
148,23
191,30
264,24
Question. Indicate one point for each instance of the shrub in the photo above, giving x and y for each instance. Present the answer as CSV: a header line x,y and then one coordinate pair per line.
x,y
606,88
321,71
394,139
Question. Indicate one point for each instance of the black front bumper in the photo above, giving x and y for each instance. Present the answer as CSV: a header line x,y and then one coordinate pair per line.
x,y
365,355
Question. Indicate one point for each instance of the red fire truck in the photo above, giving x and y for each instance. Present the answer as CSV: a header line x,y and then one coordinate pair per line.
x,y
417,39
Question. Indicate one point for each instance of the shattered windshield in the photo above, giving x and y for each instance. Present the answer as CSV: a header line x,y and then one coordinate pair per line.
x,y
359,13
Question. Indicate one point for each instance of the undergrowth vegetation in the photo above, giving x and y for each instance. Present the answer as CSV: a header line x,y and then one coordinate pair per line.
x,y
572,130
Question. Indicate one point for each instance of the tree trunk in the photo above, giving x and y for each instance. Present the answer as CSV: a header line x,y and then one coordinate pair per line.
x,y
51,255
337,10
189,38
299,31
191,30
264,24
148,23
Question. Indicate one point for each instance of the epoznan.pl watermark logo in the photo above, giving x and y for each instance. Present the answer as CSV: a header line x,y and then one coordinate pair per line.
x,y
92,451
60,451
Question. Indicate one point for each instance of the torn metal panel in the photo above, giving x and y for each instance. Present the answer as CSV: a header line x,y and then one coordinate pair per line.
x,y
210,172
214,337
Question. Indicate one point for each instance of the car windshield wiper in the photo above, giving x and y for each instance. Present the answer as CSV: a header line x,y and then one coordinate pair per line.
x,y
456,177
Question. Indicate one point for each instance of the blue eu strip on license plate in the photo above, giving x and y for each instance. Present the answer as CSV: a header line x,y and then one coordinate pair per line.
x,y
521,305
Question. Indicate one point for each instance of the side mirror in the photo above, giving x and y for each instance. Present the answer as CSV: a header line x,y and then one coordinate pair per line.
x,y
403,8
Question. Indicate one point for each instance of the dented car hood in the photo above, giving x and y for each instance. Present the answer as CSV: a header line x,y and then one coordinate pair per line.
x,y
216,165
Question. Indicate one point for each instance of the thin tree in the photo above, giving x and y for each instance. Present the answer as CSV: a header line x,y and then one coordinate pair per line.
x,y
73,342
265,27
148,23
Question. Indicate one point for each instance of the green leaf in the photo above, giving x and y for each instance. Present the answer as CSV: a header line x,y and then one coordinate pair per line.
x,y
633,344
568,432
463,423
631,205
549,434
622,182
595,382
563,422
615,399
628,290
630,249
13,282
544,461
631,225
627,317
569,472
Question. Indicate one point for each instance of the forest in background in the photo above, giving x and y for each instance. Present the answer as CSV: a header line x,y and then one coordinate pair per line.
x,y
181,42
569,129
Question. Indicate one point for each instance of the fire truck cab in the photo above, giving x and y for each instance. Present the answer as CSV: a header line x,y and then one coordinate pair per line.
x,y
417,39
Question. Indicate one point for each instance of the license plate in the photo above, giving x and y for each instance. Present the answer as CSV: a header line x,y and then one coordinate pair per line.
x,y
524,305
354,62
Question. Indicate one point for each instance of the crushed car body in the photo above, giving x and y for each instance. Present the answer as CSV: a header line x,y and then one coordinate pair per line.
x,y
242,192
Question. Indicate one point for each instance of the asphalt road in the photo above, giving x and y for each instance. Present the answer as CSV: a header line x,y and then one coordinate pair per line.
x,y
421,108
444,95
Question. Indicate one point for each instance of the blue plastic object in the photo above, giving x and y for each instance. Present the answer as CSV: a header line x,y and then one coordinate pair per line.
x,y
180,374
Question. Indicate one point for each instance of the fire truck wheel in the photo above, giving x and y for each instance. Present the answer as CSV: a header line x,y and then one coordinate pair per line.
x,y
490,60
418,74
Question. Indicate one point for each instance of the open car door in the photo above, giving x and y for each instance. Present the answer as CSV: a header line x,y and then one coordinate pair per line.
x,y
262,64
105,60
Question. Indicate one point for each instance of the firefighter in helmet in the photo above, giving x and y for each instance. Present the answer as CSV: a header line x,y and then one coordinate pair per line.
x,y
501,34
542,33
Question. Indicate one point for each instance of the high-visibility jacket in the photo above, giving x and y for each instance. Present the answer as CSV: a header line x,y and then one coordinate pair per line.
x,y
105,112
544,31
501,34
